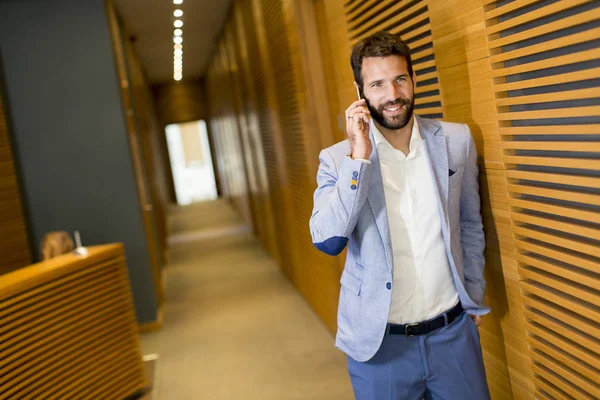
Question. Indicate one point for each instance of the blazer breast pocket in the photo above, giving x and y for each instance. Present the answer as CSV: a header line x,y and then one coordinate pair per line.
x,y
454,176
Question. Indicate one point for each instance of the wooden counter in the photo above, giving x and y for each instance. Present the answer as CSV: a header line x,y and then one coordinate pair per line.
x,y
68,329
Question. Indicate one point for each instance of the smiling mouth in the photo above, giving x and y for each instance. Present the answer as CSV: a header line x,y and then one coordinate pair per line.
x,y
394,108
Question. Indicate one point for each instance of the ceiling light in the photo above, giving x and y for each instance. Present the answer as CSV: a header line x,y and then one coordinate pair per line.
x,y
177,77
178,39
178,13
178,23
178,47
178,32
177,1
178,52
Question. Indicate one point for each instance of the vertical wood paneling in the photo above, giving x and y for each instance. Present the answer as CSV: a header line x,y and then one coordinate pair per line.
x,y
225,131
15,252
122,51
246,44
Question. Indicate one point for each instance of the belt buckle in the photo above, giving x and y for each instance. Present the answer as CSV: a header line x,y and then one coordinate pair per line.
x,y
406,329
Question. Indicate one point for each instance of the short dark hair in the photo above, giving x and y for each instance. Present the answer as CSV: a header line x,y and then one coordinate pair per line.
x,y
380,44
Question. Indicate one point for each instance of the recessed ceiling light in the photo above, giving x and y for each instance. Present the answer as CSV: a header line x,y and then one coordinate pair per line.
x,y
178,39
178,23
178,13
177,1
178,32
178,52
178,46
177,77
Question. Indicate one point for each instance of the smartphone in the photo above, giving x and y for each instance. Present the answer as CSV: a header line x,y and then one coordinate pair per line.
x,y
361,123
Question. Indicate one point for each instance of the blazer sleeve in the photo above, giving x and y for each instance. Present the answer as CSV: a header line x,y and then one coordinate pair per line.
x,y
471,226
338,199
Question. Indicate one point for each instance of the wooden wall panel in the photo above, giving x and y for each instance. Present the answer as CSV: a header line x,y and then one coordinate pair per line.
x,y
544,59
482,66
225,130
156,178
140,147
180,101
15,249
246,45
466,86
410,20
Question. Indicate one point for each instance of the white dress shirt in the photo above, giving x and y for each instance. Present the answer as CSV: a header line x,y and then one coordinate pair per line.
x,y
422,282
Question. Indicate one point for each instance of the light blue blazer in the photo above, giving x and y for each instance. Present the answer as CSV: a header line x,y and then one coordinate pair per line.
x,y
354,215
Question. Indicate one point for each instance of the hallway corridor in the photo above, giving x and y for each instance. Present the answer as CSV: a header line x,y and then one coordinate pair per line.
x,y
233,326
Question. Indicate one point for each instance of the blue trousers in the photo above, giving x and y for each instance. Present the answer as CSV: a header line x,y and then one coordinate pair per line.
x,y
445,364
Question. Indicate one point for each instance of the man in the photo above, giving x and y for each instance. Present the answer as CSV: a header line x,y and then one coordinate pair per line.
x,y
402,193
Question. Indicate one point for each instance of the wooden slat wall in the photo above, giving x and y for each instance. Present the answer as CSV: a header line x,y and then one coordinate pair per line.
x,y
225,131
545,59
14,241
482,63
68,329
410,20
275,107
249,84
467,96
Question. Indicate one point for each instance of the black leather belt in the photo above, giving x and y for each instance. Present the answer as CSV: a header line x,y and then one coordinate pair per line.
x,y
423,328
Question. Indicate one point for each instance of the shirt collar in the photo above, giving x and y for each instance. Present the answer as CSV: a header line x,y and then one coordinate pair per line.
x,y
384,145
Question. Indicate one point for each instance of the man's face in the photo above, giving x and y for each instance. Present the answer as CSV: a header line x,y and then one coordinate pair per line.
x,y
389,90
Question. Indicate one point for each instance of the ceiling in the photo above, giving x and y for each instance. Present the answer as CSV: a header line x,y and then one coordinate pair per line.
x,y
151,22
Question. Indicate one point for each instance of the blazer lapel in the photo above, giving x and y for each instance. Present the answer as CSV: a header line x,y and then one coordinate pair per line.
x,y
435,143
376,199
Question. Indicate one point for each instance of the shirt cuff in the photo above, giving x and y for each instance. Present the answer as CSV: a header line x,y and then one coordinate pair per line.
x,y
362,160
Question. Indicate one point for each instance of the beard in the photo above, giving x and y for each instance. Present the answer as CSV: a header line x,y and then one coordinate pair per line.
x,y
397,121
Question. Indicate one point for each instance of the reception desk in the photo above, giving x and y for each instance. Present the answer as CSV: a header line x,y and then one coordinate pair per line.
x,y
68,329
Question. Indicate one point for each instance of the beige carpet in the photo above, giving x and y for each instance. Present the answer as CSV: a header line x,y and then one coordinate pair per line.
x,y
234,327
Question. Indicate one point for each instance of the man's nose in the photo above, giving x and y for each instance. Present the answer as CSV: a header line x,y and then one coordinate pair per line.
x,y
393,92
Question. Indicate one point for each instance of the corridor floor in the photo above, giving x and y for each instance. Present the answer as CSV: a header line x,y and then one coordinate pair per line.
x,y
233,325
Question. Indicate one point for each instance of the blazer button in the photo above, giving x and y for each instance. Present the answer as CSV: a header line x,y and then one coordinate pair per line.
x,y
355,174
388,285
353,187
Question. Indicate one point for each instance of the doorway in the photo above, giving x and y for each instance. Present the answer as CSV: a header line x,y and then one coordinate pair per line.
x,y
191,162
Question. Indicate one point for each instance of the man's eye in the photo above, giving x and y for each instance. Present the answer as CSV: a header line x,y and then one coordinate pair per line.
x,y
376,85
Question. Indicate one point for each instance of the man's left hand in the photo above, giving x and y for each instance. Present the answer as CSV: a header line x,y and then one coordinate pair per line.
x,y
477,319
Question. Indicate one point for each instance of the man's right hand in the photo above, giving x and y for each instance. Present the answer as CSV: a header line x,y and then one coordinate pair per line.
x,y
357,129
